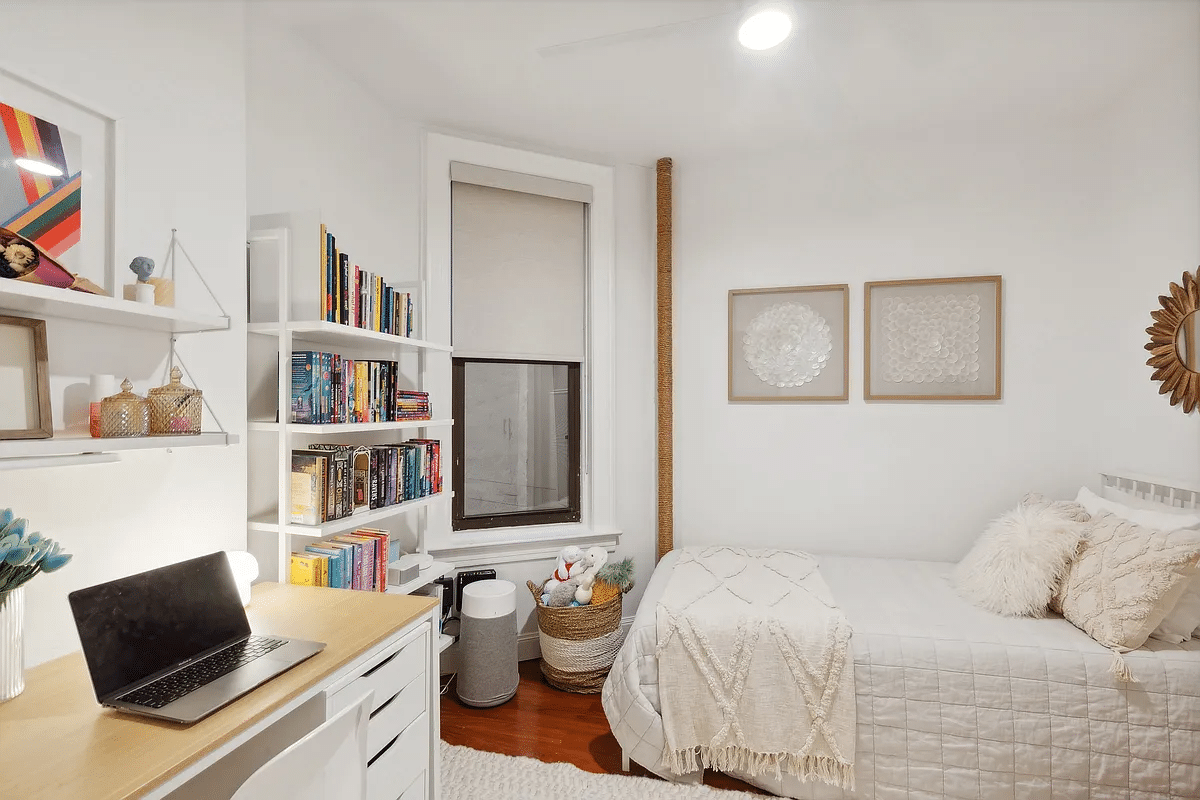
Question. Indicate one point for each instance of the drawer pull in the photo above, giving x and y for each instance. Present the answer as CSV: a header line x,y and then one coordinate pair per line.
x,y
386,703
381,664
386,747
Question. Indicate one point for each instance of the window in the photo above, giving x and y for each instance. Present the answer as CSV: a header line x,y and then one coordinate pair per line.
x,y
449,162
518,273
516,443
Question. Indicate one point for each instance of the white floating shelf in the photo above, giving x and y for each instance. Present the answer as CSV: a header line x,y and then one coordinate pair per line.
x,y
428,575
72,443
48,301
444,641
269,523
337,334
351,427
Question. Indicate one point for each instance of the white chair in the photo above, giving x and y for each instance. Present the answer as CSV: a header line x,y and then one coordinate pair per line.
x,y
329,763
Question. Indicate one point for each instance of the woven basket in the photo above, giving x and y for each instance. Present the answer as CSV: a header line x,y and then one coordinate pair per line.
x,y
579,643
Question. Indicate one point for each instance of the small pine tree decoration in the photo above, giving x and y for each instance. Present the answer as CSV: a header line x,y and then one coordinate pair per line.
x,y
618,573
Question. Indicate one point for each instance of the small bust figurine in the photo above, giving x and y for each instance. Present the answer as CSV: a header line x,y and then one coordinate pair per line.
x,y
143,267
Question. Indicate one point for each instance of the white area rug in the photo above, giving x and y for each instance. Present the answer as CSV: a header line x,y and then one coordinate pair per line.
x,y
473,774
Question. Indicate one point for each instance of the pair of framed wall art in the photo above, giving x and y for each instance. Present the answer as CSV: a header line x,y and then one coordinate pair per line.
x,y
923,340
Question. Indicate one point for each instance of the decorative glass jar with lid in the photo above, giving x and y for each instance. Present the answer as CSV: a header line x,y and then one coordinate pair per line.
x,y
124,414
175,409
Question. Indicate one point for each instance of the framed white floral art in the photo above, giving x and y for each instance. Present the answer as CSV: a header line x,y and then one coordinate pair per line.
x,y
789,344
933,339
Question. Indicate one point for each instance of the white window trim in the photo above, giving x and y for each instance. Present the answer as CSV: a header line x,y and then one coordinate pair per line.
x,y
598,385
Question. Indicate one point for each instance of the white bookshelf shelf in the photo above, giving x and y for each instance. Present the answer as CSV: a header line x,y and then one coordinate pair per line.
x,y
437,569
268,523
72,443
351,427
444,641
48,301
333,333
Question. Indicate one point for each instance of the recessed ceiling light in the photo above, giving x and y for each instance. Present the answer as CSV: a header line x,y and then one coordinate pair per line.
x,y
764,26
40,167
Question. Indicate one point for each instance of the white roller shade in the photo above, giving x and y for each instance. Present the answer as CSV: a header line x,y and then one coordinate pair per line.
x,y
518,263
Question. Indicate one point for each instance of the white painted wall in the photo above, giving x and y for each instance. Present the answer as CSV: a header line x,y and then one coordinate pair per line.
x,y
1154,212
174,76
1086,223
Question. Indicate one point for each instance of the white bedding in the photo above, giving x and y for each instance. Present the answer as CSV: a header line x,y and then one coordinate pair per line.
x,y
955,702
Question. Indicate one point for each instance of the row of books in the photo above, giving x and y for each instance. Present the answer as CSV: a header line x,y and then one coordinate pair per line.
x,y
356,560
329,389
333,481
353,296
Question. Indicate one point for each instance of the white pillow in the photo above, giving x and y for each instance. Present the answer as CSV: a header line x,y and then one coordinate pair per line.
x,y
1183,620
1131,500
1016,565
1157,520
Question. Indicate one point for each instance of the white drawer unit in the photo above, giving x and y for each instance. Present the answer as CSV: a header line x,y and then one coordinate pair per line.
x,y
392,770
404,714
415,790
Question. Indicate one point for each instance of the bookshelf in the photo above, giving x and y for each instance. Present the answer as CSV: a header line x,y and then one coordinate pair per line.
x,y
287,316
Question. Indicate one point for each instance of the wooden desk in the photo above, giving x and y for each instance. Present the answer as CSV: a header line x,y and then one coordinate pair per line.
x,y
56,742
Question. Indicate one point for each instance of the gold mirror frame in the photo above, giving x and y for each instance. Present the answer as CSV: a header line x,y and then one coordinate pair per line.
x,y
1181,382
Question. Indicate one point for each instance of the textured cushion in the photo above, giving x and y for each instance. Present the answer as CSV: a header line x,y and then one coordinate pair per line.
x,y
1181,622
1018,561
1126,579
1158,520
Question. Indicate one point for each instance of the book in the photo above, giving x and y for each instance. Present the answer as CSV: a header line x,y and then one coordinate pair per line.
x,y
303,569
324,301
335,559
308,488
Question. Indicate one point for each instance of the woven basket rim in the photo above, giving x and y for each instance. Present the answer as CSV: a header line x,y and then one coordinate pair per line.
x,y
536,591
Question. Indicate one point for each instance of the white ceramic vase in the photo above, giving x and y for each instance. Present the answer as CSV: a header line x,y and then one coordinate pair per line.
x,y
12,643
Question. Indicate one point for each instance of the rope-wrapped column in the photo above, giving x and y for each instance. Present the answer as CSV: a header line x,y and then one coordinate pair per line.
x,y
666,453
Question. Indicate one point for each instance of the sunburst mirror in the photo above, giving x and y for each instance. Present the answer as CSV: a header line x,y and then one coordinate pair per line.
x,y
1175,343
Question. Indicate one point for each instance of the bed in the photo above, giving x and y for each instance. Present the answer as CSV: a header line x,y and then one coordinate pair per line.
x,y
956,702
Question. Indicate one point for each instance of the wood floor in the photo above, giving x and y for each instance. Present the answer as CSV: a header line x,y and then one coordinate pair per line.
x,y
550,725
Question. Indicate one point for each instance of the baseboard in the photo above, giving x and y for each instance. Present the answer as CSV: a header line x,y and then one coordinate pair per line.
x,y
529,647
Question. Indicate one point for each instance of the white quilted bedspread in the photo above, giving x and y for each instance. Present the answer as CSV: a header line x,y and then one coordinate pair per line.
x,y
955,702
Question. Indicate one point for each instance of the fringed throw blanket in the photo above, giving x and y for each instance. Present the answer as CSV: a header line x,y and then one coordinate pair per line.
x,y
755,670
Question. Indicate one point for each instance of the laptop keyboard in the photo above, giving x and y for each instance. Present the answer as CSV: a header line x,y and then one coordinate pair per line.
x,y
170,688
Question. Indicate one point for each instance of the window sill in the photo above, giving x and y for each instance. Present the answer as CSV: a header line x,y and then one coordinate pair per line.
x,y
503,545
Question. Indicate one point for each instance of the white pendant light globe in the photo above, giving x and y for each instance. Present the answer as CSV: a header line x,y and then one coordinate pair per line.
x,y
764,26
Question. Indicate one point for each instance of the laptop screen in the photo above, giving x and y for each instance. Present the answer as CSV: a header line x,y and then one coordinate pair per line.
x,y
133,627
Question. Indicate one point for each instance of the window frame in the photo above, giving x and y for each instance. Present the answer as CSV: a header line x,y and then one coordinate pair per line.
x,y
573,512
597,524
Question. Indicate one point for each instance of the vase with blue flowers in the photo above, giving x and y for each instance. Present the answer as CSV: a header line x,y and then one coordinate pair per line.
x,y
22,556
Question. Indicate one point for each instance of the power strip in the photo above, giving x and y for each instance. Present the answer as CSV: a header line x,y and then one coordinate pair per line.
x,y
469,576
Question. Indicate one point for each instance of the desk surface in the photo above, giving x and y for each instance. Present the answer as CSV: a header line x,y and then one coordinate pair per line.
x,y
57,742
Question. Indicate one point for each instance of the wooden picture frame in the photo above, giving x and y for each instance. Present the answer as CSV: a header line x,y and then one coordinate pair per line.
x,y
933,339
814,367
24,380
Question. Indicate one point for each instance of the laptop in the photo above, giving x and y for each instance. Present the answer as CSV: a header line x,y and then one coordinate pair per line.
x,y
174,642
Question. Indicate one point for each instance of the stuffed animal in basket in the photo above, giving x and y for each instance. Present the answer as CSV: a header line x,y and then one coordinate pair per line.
x,y
570,560
563,594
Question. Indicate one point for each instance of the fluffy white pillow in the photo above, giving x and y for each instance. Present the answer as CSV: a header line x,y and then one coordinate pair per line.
x,y
1130,500
1017,563
1158,520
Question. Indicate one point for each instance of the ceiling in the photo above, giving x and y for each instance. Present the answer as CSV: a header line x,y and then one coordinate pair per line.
x,y
856,68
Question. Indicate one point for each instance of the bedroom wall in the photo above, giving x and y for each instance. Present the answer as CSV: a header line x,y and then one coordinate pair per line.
x,y
173,74
288,125
1153,130
1085,221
